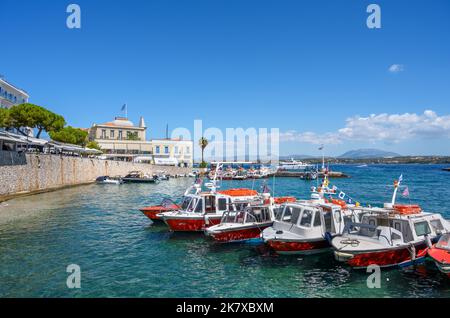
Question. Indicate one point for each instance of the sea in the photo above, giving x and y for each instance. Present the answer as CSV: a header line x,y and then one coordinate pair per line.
x,y
120,253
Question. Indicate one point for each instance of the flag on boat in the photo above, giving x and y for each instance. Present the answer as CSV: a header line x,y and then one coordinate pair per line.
x,y
400,179
349,201
405,192
265,188
341,195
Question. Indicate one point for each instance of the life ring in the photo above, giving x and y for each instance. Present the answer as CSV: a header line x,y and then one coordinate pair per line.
x,y
407,209
341,203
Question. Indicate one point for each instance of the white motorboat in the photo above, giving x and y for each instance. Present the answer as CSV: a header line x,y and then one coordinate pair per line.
x,y
108,180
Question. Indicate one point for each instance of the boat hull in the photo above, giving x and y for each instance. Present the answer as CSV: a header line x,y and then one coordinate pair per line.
x,y
190,224
138,180
384,258
237,235
299,247
441,258
152,211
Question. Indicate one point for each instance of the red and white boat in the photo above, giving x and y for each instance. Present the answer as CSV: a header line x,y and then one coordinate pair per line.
x,y
207,208
305,227
246,224
168,205
440,253
395,235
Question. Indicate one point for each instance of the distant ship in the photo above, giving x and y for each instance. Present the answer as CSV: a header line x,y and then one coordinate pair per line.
x,y
294,165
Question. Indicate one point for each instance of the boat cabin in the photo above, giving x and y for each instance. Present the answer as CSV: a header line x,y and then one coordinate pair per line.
x,y
391,229
251,214
216,203
314,219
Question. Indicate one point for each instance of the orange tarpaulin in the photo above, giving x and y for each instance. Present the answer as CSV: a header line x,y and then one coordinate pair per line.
x,y
239,192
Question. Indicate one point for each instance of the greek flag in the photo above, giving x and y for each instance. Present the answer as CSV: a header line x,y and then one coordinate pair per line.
x,y
400,179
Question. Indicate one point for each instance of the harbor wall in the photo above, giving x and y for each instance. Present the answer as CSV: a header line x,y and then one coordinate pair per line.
x,y
44,172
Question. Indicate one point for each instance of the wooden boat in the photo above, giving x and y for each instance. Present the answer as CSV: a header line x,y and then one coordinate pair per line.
x,y
440,254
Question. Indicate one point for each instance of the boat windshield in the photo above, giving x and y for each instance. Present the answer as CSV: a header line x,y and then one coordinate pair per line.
x,y
258,215
233,217
194,205
444,242
185,202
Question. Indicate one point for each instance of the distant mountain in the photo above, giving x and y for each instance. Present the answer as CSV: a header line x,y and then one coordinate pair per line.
x,y
298,157
368,153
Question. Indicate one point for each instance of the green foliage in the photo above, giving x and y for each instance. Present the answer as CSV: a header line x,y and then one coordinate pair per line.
x,y
34,116
203,143
203,165
93,145
5,120
132,136
70,135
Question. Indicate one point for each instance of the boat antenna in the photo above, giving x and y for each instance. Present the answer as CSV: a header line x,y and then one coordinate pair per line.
x,y
396,186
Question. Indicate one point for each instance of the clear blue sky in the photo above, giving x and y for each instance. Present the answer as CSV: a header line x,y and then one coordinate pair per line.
x,y
302,66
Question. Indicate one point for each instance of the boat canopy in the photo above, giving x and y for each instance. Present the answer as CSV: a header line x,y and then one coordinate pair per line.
x,y
239,192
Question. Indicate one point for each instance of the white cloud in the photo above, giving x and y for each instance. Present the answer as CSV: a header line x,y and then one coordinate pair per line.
x,y
396,68
389,128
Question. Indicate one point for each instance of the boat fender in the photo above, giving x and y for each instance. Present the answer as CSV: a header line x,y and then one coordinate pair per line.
x,y
428,241
412,252
279,232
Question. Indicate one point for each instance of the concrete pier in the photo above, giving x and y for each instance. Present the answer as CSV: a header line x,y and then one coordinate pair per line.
x,y
296,174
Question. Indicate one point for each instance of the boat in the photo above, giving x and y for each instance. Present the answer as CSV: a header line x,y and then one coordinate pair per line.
x,y
205,209
293,165
238,226
108,180
306,226
394,235
240,174
167,205
440,254
139,177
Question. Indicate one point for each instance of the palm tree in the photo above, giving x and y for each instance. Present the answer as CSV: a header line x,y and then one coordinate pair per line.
x,y
203,142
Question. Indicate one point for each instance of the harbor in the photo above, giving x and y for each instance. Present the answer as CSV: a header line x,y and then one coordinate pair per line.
x,y
147,260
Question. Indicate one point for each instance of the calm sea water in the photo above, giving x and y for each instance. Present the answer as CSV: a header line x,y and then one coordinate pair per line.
x,y
122,254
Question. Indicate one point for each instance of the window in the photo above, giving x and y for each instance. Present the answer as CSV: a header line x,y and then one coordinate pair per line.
x,y
317,221
306,218
199,207
222,203
157,150
287,214
111,134
437,225
295,215
103,133
188,149
398,226
176,149
120,134
166,149
422,228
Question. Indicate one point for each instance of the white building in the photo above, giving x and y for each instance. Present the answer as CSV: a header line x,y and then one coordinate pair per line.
x,y
10,95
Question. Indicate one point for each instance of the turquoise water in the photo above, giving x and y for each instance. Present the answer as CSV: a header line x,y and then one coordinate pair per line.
x,y
122,254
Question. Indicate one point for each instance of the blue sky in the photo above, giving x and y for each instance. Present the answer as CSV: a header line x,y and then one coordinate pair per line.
x,y
301,66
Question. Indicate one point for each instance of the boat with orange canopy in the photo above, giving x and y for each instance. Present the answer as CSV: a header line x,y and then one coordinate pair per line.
x,y
394,235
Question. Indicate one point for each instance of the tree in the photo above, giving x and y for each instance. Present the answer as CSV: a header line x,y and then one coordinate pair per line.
x,y
34,116
203,143
5,119
132,136
70,135
93,145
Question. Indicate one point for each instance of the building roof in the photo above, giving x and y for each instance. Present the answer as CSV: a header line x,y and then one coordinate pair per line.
x,y
14,87
121,122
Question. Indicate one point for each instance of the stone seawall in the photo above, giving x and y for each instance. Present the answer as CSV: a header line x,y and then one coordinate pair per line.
x,y
43,172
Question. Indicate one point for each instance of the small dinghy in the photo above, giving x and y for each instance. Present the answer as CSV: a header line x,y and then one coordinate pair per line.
x,y
108,180
440,253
